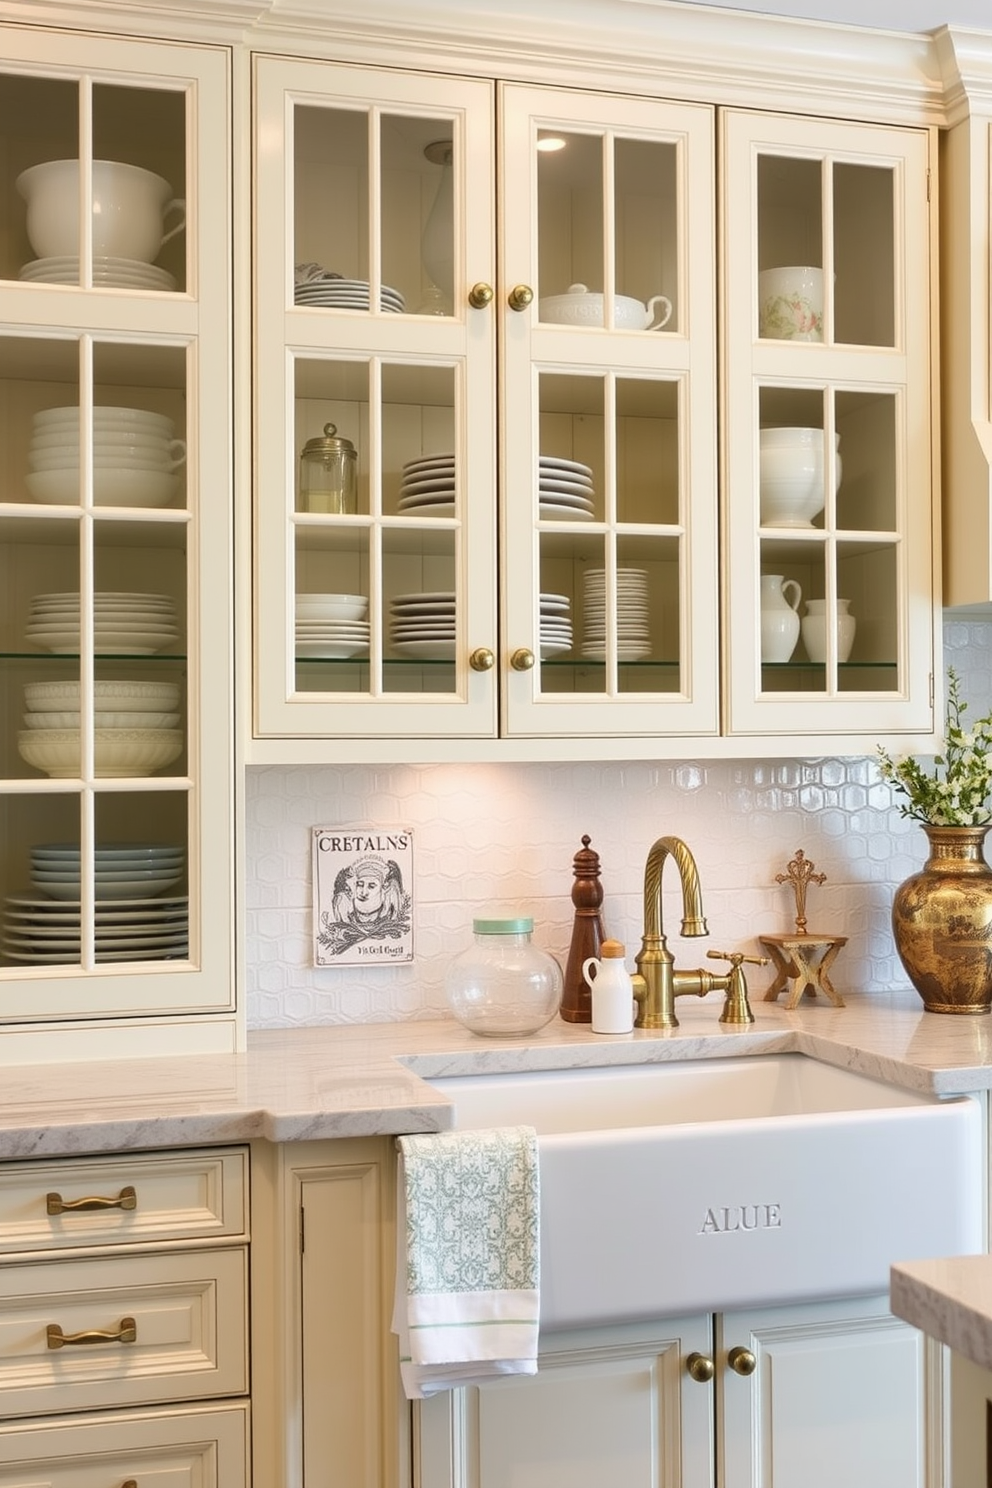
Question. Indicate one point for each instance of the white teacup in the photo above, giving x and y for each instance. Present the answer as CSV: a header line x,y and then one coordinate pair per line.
x,y
790,303
129,208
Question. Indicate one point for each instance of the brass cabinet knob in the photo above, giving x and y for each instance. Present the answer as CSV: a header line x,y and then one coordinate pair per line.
x,y
482,659
700,1368
742,1361
480,295
520,297
522,660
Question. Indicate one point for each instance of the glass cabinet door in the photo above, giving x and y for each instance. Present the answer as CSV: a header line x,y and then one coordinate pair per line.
x,y
115,795
829,518
375,404
609,421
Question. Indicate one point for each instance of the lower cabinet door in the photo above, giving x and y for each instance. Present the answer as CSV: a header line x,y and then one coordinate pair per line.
x,y
166,1449
123,1330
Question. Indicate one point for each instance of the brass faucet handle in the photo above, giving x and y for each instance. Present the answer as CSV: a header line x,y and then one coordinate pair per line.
x,y
737,957
737,1008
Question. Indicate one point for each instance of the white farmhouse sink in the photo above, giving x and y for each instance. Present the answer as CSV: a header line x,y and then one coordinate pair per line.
x,y
722,1183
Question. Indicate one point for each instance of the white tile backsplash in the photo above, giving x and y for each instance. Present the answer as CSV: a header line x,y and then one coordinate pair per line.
x,y
499,839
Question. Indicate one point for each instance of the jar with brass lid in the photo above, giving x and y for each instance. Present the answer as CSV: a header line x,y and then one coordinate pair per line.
x,y
329,473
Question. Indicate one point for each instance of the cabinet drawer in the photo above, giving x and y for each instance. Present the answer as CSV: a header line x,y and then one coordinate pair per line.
x,y
184,1338
167,1449
149,1198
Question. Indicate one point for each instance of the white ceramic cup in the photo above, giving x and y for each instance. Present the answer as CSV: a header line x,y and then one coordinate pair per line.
x,y
130,205
790,303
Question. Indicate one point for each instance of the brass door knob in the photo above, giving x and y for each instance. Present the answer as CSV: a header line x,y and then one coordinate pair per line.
x,y
480,295
520,297
700,1368
482,659
522,660
742,1361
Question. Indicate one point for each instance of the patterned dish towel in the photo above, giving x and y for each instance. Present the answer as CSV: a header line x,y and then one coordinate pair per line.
x,y
468,1257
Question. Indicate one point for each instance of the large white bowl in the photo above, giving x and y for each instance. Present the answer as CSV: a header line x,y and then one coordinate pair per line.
x,y
331,607
133,440
135,487
103,720
791,470
130,205
135,696
116,752
127,459
105,416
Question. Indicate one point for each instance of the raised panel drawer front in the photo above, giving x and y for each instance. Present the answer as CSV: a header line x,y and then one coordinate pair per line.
x,y
175,1326
142,1200
167,1449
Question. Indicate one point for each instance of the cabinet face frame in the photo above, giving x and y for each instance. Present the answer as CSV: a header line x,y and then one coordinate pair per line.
x,y
297,346
889,565
193,325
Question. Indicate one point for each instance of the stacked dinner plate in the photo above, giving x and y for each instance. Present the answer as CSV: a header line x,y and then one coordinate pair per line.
x,y
633,626
423,625
428,486
138,926
556,625
565,490
108,273
346,294
122,870
331,627
126,624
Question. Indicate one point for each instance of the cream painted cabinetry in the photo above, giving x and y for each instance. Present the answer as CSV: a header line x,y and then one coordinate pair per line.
x,y
124,1320
572,348
116,799
803,1397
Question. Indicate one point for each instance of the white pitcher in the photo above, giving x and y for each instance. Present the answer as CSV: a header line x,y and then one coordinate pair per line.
x,y
780,600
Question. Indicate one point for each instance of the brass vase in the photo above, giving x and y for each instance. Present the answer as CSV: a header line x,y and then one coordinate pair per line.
x,y
942,923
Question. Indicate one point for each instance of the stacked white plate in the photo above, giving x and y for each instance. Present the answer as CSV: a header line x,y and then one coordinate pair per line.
x,y
45,931
556,625
565,490
331,627
125,624
633,625
108,273
122,870
423,625
135,457
428,486
346,294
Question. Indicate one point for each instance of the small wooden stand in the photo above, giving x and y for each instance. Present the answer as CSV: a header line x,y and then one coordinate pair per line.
x,y
802,959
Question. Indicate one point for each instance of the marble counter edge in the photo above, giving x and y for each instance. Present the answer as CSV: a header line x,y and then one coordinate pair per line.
x,y
950,1300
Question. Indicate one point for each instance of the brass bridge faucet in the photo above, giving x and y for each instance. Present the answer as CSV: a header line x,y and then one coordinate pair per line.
x,y
656,982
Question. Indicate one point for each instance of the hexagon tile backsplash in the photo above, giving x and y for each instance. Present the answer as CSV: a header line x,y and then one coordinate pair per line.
x,y
499,840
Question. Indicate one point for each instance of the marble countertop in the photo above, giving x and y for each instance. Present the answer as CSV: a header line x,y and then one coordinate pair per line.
x,y
319,1082
950,1300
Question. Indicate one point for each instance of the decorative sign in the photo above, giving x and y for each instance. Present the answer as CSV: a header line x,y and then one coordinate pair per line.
x,y
362,895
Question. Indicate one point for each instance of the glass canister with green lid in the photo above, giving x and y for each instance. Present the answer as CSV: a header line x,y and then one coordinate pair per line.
x,y
504,984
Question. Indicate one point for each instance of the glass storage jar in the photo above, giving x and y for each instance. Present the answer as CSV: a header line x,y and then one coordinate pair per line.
x,y
504,984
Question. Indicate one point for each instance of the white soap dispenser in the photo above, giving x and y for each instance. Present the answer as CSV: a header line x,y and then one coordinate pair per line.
x,y
612,989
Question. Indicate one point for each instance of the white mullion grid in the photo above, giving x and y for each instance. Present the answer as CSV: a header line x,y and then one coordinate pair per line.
x,y
900,434
827,209
375,531
291,529
609,229
87,584
611,684
684,536
85,203
831,677
375,208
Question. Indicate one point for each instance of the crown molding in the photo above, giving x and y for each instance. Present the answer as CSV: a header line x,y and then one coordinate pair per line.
x,y
663,47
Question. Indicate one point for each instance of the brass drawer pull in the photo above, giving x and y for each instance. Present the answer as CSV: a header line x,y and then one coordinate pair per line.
x,y
126,1333
56,1204
742,1361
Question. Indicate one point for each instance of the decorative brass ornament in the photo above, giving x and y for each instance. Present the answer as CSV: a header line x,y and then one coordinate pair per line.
x,y
942,923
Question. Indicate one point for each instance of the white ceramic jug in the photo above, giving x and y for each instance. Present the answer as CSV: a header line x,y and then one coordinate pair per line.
x,y
814,628
780,599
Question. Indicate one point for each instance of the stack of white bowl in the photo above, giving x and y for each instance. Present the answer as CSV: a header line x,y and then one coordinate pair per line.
x,y
556,625
423,625
791,475
332,627
136,457
136,728
632,619
123,623
121,870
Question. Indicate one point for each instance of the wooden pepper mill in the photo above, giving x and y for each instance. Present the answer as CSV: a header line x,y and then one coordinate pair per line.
x,y
587,934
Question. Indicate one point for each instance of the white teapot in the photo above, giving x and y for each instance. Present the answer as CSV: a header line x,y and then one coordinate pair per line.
x,y
584,307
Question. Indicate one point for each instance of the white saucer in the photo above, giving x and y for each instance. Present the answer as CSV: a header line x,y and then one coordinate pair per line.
x,y
550,511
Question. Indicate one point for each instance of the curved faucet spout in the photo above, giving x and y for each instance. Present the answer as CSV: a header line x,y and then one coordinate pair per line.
x,y
693,920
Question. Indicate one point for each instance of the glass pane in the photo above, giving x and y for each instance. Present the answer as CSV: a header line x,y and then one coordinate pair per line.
x,y
140,242
39,122
647,444
418,441
864,254
647,232
331,191
40,921
790,248
39,379
572,461
565,558
139,427
420,614
866,432
791,572
867,579
418,212
793,464
332,426
141,877
332,607
571,215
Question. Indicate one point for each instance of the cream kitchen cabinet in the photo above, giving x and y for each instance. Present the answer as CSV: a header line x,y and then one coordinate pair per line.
x,y
116,797
124,1319
803,1397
